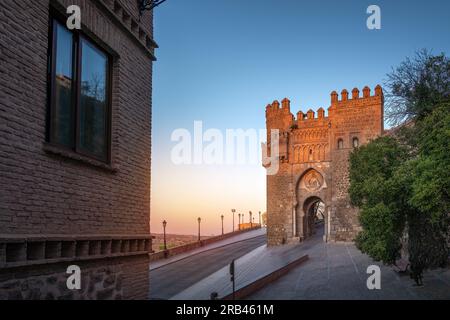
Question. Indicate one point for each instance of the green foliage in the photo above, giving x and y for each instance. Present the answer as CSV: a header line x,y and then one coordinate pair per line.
x,y
370,166
427,243
373,189
401,186
381,235
432,184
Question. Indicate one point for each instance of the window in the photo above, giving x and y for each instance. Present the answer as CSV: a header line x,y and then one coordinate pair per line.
x,y
340,144
80,94
355,143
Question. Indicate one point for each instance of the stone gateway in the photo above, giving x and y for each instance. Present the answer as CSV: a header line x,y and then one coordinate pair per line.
x,y
313,178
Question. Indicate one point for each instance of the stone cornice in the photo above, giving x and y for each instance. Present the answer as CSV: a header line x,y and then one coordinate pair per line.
x,y
17,250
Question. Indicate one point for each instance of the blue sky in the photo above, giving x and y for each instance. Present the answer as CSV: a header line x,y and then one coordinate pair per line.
x,y
222,61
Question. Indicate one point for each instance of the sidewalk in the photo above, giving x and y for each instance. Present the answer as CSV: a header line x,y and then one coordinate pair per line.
x,y
218,244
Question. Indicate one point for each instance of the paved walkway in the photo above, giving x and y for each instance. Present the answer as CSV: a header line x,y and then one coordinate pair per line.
x,y
218,244
333,271
338,271
170,279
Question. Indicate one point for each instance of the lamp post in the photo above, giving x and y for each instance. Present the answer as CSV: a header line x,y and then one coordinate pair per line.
x,y
239,225
250,214
260,225
164,227
222,223
199,220
233,211
148,5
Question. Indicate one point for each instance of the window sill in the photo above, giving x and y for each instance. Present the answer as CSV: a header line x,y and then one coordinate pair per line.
x,y
56,150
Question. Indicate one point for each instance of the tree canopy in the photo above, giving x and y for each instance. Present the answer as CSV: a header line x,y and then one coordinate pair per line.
x,y
401,183
416,86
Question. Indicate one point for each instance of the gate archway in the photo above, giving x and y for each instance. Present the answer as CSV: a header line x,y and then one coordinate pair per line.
x,y
311,211
314,216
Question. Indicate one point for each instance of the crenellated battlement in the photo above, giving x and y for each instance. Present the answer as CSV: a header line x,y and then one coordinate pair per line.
x,y
274,108
282,110
311,115
355,95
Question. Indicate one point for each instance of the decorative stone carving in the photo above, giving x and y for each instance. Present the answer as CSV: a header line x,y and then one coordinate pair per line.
x,y
312,181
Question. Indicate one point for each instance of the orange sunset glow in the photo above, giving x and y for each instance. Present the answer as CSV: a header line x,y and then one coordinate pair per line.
x,y
181,194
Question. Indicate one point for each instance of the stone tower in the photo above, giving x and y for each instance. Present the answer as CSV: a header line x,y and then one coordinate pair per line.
x,y
313,164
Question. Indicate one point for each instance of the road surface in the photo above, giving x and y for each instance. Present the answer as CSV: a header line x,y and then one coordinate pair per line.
x,y
173,278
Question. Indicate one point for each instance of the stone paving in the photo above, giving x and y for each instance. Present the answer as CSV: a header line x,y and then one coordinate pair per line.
x,y
338,271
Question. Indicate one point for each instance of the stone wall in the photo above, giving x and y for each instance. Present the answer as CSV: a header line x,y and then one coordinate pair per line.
x,y
279,206
314,153
344,217
101,280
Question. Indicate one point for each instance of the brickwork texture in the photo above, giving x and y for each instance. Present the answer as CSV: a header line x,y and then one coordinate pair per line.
x,y
43,192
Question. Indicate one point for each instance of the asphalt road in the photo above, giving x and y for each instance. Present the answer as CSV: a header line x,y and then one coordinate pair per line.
x,y
173,278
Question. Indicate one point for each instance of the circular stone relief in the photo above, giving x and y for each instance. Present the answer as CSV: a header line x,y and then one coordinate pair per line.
x,y
313,180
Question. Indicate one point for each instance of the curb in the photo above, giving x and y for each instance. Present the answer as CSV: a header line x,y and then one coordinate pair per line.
x,y
261,282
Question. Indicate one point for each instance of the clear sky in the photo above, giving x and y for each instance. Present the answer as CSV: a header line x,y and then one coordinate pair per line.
x,y
223,61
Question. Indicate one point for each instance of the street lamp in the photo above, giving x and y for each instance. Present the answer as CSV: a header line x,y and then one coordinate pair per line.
x,y
239,225
222,223
149,5
164,227
233,211
199,220
250,213
260,225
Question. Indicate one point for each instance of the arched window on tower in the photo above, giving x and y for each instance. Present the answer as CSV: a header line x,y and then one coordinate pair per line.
x,y
311,158
340,144
355,142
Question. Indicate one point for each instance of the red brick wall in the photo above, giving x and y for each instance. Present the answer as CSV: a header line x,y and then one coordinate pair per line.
x,y
45,193
48,192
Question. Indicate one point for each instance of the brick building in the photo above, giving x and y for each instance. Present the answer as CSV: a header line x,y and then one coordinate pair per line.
x,y
75,126
313,165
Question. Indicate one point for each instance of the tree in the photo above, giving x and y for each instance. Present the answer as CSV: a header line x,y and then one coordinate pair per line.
x,y
399,193
379,197
431,188
429,224
416,86
401,183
